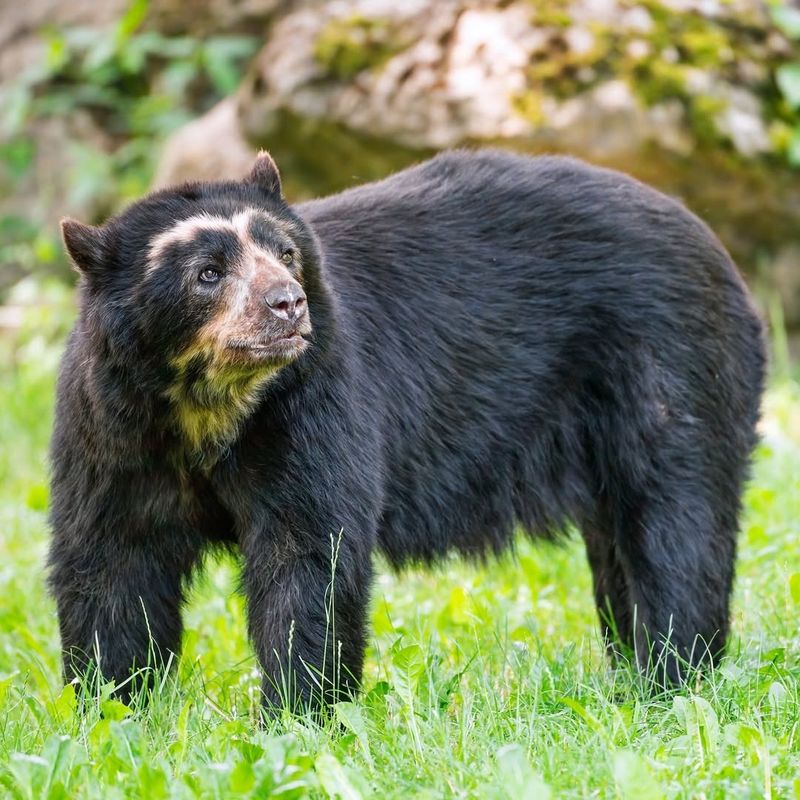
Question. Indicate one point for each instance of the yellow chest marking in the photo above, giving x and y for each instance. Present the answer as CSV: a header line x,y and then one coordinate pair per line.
x,y
210,399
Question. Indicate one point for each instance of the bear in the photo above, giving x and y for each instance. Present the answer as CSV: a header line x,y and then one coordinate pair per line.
x,y
481,344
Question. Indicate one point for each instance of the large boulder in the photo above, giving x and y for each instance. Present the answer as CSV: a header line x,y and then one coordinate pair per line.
x,y
680,93
188,154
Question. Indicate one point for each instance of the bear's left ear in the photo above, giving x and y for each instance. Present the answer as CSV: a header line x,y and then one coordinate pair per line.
x,y
265,174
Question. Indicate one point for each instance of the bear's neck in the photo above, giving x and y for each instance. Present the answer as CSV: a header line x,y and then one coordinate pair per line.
x,y
207,410
191,418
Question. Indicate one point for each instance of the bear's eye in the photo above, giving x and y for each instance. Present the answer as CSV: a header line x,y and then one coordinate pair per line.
x,y
209,275
288,257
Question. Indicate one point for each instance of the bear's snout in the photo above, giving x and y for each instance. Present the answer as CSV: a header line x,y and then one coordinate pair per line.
x,y
286,300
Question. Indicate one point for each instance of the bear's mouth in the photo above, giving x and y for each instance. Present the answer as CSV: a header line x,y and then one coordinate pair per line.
x,y
282,348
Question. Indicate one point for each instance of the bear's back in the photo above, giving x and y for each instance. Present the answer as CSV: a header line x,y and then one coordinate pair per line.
x,y
480,292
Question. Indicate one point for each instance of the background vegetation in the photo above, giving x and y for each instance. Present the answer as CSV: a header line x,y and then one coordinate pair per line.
x,y
482,682
139,85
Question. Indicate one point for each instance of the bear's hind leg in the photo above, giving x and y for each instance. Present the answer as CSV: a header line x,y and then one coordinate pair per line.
x,y
667,458
610,587
674,531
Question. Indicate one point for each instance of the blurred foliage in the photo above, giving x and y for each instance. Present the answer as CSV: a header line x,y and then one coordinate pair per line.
x,y
137,86
787,76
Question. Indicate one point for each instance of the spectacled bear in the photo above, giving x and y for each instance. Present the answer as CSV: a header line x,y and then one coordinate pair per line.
x,y
482,343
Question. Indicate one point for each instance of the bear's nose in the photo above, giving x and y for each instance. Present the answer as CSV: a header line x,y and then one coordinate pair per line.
x,y
286,300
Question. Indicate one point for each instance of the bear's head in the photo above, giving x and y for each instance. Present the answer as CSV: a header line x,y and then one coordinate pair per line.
x,y
200,291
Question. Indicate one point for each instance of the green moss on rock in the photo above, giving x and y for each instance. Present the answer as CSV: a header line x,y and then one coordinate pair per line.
x,y
659,63
349,45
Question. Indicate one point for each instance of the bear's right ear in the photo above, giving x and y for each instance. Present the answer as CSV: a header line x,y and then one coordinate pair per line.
x,y
265,174
85,244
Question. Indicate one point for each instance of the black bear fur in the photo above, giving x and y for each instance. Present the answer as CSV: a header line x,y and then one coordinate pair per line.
x,y
496,343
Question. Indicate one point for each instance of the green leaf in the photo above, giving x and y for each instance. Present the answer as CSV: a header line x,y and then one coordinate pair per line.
x,y
57,53
66,703
5,685
28,773
234,46
588,718
17,154
153,782
133,57
98,64
45,251
59,752
334,779
132,18
114,709
745,740
773,657
634,778
520,780
37,497
221,57
788,79
15,105
794,587
351,717
701,724
169,47
793,154
243,778
409,667
176,77
787,19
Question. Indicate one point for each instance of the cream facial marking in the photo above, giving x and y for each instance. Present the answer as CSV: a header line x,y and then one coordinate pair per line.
x,y
186,230
214,387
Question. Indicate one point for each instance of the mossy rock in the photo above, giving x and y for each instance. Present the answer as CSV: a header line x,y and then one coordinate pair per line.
x,y
347,46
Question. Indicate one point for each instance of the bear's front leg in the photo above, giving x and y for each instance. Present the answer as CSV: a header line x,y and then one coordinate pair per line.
x,y
307,609
118,605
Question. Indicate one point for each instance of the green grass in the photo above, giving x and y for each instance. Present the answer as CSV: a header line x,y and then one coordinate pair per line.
x,y
480,682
